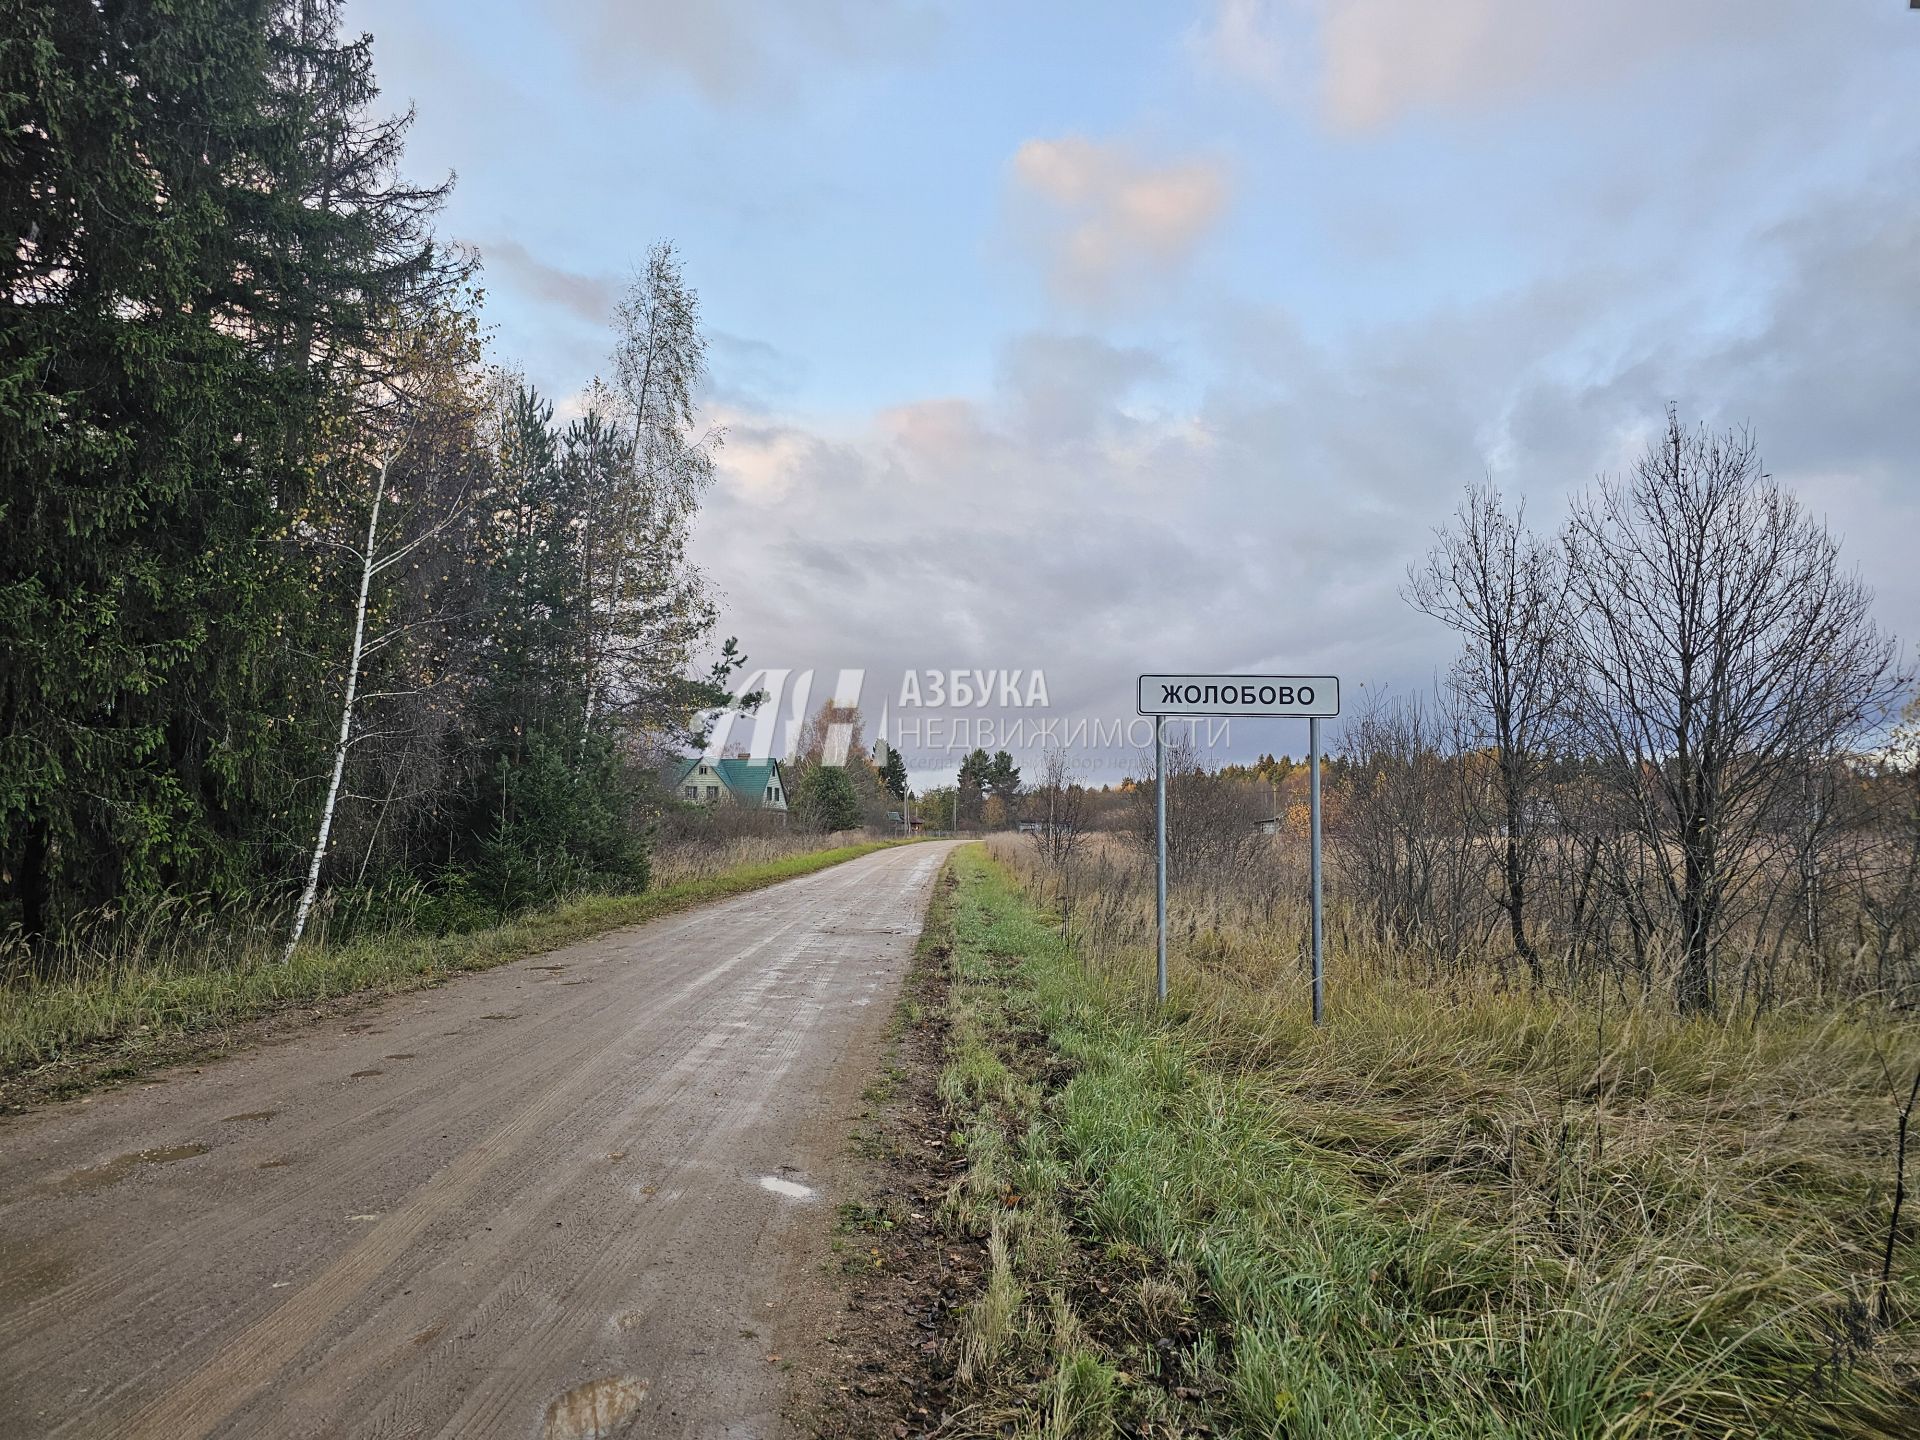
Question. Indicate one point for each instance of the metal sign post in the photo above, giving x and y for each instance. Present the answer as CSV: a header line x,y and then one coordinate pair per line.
x,y
1160,853
1308,697
1313,865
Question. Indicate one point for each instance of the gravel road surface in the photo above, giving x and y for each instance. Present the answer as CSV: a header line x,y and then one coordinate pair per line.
x,y
586,1194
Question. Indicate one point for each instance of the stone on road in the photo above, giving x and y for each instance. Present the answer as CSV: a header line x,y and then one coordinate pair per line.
x,y
581,1195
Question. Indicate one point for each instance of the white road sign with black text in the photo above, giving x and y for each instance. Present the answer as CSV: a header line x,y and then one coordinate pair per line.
x,y
1300,697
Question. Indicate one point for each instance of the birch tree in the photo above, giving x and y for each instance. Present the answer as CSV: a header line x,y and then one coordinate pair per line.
x,y
424,404
1721,647
1504,592
371,563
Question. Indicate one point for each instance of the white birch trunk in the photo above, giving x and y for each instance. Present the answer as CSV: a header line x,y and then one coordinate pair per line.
x,y
307,896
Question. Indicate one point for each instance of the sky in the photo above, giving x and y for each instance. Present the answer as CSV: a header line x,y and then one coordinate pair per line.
x,y
1099,339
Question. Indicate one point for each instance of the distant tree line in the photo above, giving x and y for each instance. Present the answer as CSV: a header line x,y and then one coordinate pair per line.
x,y
297,593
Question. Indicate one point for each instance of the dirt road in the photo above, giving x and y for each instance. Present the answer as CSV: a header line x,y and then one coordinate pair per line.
x,y
580,1195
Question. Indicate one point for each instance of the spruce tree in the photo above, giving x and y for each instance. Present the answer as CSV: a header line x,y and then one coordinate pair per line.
x,y
134,412
893,774
207,241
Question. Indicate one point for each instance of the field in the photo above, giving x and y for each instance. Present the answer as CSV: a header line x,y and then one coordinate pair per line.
x,y
1460,1209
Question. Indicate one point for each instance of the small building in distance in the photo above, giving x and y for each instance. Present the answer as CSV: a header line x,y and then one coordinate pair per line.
x,y
755,784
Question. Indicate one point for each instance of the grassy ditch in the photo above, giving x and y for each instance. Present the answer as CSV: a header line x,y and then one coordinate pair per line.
x,y
59,1036
1467,1216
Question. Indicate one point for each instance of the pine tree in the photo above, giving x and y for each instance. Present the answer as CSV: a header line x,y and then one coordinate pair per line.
x,y
972,784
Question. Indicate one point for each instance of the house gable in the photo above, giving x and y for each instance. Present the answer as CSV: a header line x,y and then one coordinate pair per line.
x,y
756,784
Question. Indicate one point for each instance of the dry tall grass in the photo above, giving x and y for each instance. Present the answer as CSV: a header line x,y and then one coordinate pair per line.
x,y
1568,1204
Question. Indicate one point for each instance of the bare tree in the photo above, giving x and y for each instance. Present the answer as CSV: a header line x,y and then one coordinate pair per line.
x,y
1398,829
1721,646
1058,808
1504,592
1212,819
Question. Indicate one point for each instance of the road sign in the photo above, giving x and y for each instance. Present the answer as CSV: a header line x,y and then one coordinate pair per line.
x,y
1312,698
1297,697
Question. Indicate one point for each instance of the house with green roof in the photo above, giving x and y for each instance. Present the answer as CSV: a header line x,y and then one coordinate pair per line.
x,y
704,780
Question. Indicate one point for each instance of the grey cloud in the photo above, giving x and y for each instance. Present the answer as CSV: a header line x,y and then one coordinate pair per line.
x,y
1850,304
1068,387
742,52
823,563
589,297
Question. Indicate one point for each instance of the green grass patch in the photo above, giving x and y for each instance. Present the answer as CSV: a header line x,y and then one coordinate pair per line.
x,y
1472,1217
138,1007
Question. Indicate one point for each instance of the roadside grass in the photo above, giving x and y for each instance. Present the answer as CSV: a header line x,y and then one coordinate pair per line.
x,y
1466,1213
121,1015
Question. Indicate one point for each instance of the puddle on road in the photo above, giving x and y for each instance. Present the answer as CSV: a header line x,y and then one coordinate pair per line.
x,y
499,1017
363,1074
792,1189
248,1115
99,1177
402,1055
274,1164
596,1410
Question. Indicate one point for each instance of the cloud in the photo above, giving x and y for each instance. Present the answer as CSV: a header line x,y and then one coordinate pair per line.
x,y
742,52
1106,217
1369,63
589,297
1247,41
761,462
1063,389
749,373
1100,509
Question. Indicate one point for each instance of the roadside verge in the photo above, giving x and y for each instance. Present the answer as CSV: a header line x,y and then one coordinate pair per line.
x,y
1183,1221
65,1038
977,1302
